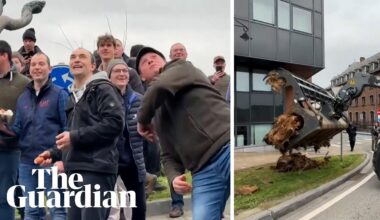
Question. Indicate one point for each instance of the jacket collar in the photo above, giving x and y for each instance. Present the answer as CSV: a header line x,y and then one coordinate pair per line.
x,y
128,92
45,87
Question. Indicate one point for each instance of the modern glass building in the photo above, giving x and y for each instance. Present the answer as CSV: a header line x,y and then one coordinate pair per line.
x,y
271,34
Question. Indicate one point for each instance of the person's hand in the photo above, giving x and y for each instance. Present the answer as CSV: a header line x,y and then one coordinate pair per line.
x,y
63,140
5,130
217,76
180,185
60,166
146,131
44,159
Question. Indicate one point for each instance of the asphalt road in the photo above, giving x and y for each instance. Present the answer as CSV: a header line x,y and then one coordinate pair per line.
x,y
358,198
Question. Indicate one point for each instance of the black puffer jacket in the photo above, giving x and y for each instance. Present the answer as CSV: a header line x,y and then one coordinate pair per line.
x,y
130,145
95,122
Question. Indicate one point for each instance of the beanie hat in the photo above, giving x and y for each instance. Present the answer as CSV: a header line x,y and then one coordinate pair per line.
x,y
113,63
29,34
135,50
144,51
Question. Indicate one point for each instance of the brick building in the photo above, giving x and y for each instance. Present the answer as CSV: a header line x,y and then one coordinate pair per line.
x,y
363,110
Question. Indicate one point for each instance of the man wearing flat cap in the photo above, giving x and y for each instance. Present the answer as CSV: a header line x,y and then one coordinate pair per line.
x,y
189,117
29,48
220,80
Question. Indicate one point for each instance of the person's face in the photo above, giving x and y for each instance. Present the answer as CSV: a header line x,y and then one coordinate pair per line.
x,y
220,64
150,65
119,50
120,75
19,65
178,51
80,63
106,50
29,45
3,61
39,68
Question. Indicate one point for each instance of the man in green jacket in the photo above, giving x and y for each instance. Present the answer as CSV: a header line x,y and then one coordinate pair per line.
x,y
191,120
12,84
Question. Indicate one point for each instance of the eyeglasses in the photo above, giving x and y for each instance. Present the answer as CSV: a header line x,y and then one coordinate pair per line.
x,y
120,70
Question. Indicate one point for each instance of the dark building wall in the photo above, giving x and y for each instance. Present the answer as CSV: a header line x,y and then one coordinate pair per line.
x,y
287,45
279,41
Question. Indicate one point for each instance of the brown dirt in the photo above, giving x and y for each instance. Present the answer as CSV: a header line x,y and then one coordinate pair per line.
x,y
246,190
298,162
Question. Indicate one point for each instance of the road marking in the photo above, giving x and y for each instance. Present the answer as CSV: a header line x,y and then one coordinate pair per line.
x,y
336,199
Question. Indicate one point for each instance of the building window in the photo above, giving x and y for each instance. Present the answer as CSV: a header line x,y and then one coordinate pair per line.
x,y
258,132
302,20
378,98
365,69
258,83
371,100
363,117
278,104
242,112
263,10
262,107
283,15
241,136
356,117
363,100
350,116
356,102
374,66
242,81
372,117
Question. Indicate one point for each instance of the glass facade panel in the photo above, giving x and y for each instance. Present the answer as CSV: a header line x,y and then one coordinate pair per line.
x,y
258,132
263,10
262,109
241,138
242,81
242,107
283,19
258,83
278,104
302,20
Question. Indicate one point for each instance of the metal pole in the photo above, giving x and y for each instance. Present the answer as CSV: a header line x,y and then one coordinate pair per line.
x,y
341,146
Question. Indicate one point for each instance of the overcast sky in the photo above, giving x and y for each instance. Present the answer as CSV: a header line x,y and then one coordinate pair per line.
x,y
351,31
203,26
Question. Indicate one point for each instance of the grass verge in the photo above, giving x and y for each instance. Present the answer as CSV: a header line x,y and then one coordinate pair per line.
x,y
275,187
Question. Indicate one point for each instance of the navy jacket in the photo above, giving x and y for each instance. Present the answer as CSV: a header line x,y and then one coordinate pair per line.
x,y
39,119
130,145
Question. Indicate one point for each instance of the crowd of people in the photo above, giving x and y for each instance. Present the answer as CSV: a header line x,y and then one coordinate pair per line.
x,y
124,117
